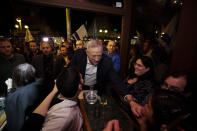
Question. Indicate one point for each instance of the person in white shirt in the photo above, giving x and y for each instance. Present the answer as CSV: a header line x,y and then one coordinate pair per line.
x,y
66,115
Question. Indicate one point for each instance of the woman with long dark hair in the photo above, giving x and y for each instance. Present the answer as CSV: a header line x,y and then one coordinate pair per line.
x,y
139,84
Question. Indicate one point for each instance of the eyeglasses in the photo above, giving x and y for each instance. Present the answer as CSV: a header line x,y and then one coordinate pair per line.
x,y
170,87
139,65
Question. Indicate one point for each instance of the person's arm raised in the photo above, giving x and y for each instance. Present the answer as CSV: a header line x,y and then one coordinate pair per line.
x,y
36,118
44,106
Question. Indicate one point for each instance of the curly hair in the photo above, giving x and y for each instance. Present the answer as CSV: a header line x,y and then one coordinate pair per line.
x,y
23,74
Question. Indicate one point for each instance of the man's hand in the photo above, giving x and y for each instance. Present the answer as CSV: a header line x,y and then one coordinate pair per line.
x,y
112,125
137,109
55,90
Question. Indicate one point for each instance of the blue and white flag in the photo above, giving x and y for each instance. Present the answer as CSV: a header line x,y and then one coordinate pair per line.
x,y
81,33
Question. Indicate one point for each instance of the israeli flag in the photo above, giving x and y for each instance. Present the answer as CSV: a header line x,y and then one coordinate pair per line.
x,y
81,33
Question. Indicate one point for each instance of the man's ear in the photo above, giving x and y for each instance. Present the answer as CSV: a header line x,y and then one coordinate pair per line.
x,y
80,87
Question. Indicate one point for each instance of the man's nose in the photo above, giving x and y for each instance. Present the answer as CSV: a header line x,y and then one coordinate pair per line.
x,y
97,59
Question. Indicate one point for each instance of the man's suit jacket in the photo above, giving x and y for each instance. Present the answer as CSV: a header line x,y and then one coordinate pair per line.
x,y
105,70
57,66
7,66
38,63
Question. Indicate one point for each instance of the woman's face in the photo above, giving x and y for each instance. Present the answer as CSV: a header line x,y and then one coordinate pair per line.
x,y
140,69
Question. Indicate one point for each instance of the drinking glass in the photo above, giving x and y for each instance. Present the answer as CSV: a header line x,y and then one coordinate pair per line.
x,y
91,96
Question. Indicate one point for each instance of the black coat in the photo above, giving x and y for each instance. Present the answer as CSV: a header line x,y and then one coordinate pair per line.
x,y
57,64
48,70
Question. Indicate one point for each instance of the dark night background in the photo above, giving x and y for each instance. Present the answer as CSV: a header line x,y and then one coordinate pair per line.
x,y
149,16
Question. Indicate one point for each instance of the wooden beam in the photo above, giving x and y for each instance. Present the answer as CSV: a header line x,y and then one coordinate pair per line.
x,y
85,117
82,5
125,37
184,54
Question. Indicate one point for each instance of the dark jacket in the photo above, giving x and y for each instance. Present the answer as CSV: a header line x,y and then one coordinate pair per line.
x,y
105,70
48,68
21,102
140,90
7,66
29,57
57,63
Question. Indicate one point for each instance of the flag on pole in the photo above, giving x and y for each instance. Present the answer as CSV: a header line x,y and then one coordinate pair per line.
x,y
28,36
94,30
81,33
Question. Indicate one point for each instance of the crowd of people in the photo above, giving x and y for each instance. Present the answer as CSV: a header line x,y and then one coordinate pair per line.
x,y
156,99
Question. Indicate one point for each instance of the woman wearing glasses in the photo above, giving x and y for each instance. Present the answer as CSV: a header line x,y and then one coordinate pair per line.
x,y
139,84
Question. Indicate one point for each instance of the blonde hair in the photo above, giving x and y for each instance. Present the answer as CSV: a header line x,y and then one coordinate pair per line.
x,y
111,41
79,41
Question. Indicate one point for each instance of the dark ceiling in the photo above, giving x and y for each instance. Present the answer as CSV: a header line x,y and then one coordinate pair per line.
x,y
148,14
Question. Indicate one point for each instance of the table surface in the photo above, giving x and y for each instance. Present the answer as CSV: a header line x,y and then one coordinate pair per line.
x,y
96,116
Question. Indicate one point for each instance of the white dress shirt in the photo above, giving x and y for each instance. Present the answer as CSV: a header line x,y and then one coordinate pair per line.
x,y
90,74
64,116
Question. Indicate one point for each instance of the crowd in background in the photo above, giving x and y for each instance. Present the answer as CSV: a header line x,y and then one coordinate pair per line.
x,y
156,98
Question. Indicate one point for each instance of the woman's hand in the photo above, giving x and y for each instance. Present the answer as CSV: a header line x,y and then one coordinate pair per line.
x,y
137,109
131,81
